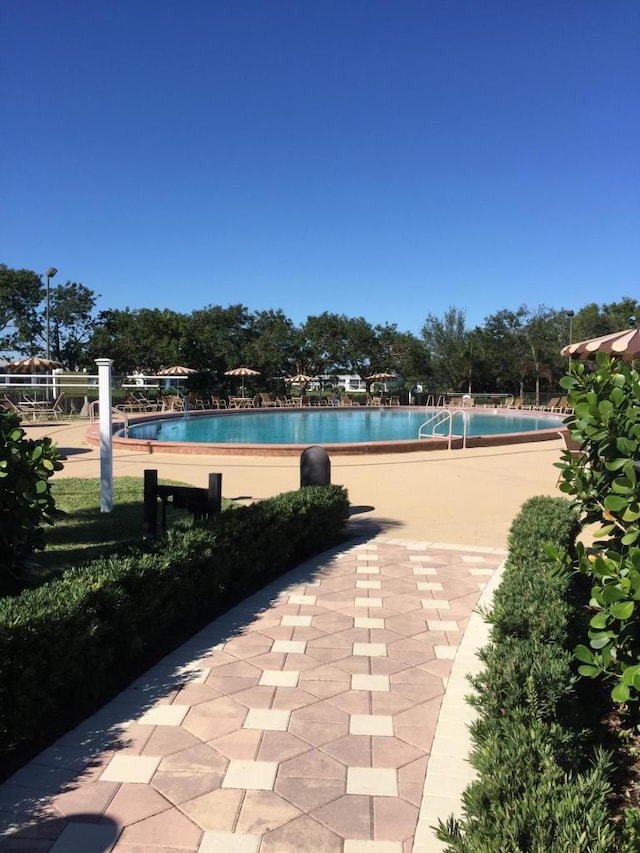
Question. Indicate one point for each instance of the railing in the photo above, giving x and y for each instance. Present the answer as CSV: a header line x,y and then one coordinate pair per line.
x,y
119,415
444,418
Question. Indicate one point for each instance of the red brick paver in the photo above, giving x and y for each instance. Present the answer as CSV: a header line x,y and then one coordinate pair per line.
x,y
301,720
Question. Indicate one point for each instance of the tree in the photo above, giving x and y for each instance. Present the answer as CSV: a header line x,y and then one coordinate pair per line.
x,y
544,333
594,320
342,344
504,351
448,342
216,338
21,292
410,359
146,339
72,323
271,348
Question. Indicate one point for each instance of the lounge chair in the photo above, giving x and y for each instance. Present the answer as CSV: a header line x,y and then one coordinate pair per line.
x,y
9,406
134,403
563,407
549,406
516,403
172,403
267,400
56,410
218,403
195,402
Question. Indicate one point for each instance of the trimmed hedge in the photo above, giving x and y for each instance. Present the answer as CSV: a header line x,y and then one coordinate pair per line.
x,y
543,782
76,640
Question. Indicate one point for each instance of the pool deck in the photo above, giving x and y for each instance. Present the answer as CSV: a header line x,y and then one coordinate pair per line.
x,y
327,711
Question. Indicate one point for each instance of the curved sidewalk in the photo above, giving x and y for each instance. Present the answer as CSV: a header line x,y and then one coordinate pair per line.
x,y
320,714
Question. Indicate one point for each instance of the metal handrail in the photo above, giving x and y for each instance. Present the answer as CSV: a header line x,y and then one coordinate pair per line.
x,y
445,416
93,405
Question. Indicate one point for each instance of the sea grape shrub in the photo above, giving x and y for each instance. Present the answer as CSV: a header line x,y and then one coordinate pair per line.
x,y
26,502
604,482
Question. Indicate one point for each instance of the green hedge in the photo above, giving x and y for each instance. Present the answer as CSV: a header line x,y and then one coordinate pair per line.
x,y
68,645
543,783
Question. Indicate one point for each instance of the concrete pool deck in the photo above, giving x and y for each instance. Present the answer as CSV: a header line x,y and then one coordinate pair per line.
x,y
457,496
324,713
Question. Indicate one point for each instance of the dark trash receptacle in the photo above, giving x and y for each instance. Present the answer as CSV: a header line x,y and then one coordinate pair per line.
x,y
315,467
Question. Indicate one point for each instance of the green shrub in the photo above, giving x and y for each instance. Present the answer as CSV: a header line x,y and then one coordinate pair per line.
x,y
604,481
543,784
26,502
98,625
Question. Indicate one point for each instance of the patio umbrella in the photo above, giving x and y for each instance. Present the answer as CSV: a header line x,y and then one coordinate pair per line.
x,y
177,370
242,371
300,378
625,344
381,377
33,364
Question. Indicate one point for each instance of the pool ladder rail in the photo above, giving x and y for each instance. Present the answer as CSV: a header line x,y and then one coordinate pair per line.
x,y
117,414
444,418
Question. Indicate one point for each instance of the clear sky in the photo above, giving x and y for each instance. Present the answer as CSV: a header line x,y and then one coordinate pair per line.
x,y
378,158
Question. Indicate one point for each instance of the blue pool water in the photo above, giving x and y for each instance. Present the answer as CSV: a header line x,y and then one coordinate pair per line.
x,y
329,426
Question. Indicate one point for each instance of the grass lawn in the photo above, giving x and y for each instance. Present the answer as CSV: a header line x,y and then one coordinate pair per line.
x,y
84,532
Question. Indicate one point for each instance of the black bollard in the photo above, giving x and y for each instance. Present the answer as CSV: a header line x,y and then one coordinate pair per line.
x,y
214,495
315,467
150,504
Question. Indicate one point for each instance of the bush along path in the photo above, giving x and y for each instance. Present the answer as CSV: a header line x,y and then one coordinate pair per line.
x,y
604,481
544,780
97,626
26,503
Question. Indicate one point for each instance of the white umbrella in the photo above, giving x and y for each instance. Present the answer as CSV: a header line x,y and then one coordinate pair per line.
x,y
242,371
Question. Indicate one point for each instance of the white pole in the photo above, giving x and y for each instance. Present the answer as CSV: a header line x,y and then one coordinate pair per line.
x,y
106,451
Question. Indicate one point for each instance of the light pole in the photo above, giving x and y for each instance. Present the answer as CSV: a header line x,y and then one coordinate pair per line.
x,y
50,274
570,315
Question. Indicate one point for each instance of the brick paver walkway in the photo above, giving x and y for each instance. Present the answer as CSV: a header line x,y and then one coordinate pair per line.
x,y
302,720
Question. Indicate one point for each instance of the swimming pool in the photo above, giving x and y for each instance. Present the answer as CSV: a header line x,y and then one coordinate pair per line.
x,y
358,430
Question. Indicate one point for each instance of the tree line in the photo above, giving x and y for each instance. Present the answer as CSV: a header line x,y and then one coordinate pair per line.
x,y
511,352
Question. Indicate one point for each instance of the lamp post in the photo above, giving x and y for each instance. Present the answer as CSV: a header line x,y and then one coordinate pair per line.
x,y
570,315
50,274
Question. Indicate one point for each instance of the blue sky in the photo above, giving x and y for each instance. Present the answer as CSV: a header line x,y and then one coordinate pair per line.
x,y
378,159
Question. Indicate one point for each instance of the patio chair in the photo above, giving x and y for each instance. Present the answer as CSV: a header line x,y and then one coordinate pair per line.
x,y
172,403
267,400
563,407
195,402
218,403
56,410
9,406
